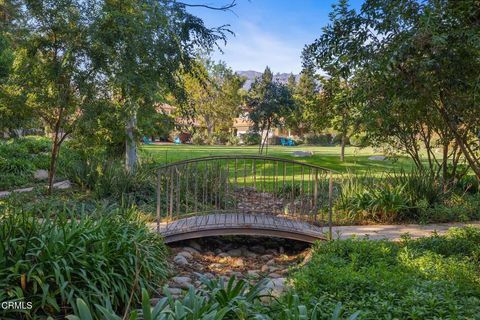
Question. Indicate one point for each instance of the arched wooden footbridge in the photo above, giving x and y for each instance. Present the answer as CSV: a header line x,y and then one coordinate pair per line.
x,y
244,195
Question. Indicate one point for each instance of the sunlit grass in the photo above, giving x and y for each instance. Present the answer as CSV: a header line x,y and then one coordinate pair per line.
x,y
356,159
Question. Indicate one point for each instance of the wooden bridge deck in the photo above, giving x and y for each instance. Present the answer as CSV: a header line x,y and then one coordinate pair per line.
x,y
218,224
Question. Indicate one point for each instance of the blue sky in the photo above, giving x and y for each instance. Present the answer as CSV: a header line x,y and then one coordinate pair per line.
x,y
268,32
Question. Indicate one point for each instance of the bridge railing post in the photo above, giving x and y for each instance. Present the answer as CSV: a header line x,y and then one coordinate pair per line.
x,y
159,200
330,206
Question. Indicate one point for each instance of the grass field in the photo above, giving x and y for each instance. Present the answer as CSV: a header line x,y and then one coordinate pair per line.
x,y
356,159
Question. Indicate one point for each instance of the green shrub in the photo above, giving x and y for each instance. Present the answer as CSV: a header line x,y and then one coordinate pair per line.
x,y
398,196
10,180
52,260
18,166
19,158
251,138
221,137
199,138
109,178
417,279
318,139
233,140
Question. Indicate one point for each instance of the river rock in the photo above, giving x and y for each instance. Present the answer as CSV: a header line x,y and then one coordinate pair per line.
x,y
195,245
274,275
276,286
265,268
273,269
253,273
238,263
223,255
182,282
185,254
215,266
180,260
174,291
235,252
40,175
191,250
270,262
266,257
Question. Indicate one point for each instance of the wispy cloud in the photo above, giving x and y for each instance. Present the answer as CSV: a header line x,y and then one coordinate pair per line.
x,y
253,48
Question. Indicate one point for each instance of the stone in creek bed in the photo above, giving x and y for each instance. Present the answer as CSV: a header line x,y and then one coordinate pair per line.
x,y
185,254
253,273
275,286
274,275
180,260
266,257
237,263
270,262
191,250
265,268
174,291
209,275
182,282
223,255
216,266
195,245
273,269
235,252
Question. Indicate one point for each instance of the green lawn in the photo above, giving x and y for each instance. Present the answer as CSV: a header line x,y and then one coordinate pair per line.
x,y
356,159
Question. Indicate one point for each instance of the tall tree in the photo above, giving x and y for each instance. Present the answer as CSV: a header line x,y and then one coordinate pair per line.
x,y
213,95
337,52
270,103
307,116
50,63
141,47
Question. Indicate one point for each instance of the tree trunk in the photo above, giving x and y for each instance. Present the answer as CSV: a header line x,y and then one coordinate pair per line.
x,y
342,147
463,145
131,145
53,163
445,166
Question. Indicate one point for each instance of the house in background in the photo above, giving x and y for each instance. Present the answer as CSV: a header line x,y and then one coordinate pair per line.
x,y
241,124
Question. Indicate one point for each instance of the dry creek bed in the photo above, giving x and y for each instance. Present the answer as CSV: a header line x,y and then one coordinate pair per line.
x,y
248,258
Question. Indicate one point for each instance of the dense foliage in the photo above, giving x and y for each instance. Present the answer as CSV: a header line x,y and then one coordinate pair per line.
x,y
235,299
20,158
269,103
53,258
415,196
409,68
431,278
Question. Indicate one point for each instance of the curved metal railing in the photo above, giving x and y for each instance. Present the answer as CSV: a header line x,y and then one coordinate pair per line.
x,y
243,184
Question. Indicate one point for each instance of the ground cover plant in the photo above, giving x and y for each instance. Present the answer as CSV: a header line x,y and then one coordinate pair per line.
x,y
19,158
432,278
52,259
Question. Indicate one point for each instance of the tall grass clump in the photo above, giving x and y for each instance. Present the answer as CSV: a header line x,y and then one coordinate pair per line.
x,y
416,196
19,158
216,299
102,258
108,178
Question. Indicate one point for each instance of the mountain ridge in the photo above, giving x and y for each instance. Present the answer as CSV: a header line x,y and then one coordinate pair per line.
x,y
251,75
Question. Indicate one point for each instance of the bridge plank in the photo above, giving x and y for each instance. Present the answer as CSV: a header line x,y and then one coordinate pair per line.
x,y
240,223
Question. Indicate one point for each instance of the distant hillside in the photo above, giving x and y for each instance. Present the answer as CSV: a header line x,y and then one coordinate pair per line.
x,y
252,75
